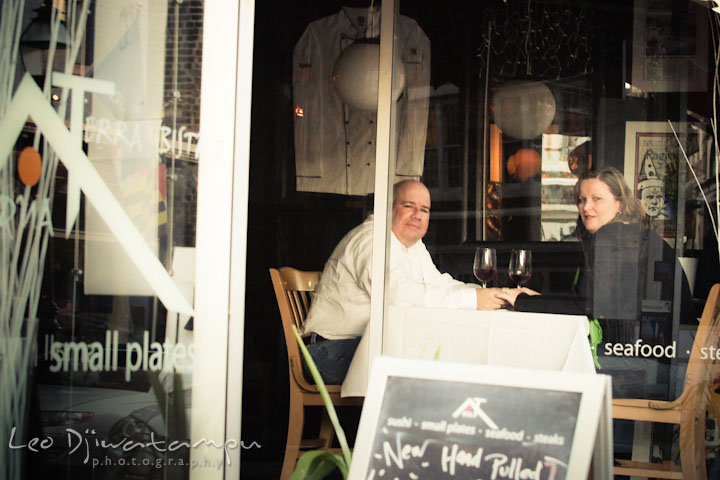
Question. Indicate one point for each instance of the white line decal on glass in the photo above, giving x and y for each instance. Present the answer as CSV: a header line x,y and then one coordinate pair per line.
x,y
29,101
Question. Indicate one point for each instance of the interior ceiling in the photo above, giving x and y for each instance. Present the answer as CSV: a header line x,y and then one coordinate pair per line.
x,y
456,28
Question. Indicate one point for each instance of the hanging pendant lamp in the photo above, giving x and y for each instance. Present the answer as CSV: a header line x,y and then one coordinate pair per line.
x,y
523,109
356,71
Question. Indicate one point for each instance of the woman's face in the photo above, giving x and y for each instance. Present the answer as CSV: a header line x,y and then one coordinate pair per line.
x,y
597,205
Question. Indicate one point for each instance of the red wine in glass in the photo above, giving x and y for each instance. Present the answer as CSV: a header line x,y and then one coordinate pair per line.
x,y
485,274
520,268
485,265
520,279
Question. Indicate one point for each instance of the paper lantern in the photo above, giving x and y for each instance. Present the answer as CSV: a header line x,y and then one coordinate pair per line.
x,y
355,74
523,109
524,164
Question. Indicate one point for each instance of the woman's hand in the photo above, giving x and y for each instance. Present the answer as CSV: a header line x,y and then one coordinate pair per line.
x,y
495,298
511,294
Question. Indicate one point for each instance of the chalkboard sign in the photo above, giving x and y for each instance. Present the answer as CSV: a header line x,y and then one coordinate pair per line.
x,y
436,420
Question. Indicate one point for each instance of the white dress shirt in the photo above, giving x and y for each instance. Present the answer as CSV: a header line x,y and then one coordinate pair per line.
x,y
334,142
341,303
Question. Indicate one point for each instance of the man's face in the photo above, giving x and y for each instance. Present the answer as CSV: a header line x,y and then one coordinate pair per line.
x,y
652,200
411,213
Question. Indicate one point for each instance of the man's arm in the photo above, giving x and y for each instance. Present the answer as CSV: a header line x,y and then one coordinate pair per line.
x,y
429,288
486,298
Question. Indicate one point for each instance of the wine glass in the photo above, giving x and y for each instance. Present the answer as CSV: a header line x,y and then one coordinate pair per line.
x,y
520,269
485,264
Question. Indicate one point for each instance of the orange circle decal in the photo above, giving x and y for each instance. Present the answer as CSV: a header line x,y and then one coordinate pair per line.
x,y
29,166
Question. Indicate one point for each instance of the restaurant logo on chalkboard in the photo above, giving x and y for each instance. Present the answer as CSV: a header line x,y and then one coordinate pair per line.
x,y
496,432
471,409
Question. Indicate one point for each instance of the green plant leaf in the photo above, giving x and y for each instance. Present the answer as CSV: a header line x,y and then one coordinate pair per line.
x,y
596,335
339,432
317,464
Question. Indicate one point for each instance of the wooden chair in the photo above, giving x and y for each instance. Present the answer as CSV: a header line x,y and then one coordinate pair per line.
x,y
688,410
292,290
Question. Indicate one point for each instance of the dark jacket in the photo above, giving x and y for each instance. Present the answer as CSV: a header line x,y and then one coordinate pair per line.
x,y
628,275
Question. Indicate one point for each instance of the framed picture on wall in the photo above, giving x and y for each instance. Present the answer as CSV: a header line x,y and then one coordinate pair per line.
x,y
652,157
669,52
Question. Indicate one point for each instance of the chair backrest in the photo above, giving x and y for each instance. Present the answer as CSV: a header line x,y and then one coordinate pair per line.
x,y
703,364
292,291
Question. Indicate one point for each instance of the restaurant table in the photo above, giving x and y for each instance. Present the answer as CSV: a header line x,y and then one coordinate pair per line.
x,y
499,338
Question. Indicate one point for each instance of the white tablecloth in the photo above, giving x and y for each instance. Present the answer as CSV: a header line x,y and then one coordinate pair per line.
x,y
502,338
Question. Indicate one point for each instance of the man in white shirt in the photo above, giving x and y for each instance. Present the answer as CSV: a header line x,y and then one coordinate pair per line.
x,y
341,302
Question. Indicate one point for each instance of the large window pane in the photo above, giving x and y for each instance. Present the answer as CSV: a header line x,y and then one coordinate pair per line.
x,y
522,98
108,303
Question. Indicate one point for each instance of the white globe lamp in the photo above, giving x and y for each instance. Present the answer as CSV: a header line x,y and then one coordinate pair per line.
x,y
523,109
355,75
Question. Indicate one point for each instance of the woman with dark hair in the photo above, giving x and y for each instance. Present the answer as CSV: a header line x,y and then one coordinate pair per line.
x,y
627,281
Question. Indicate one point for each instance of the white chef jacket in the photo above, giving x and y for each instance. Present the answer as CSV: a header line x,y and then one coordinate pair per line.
x,y
334,142
341,302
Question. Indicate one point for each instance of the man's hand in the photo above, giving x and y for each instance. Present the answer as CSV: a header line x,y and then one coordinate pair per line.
x,y
495,298
489,298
